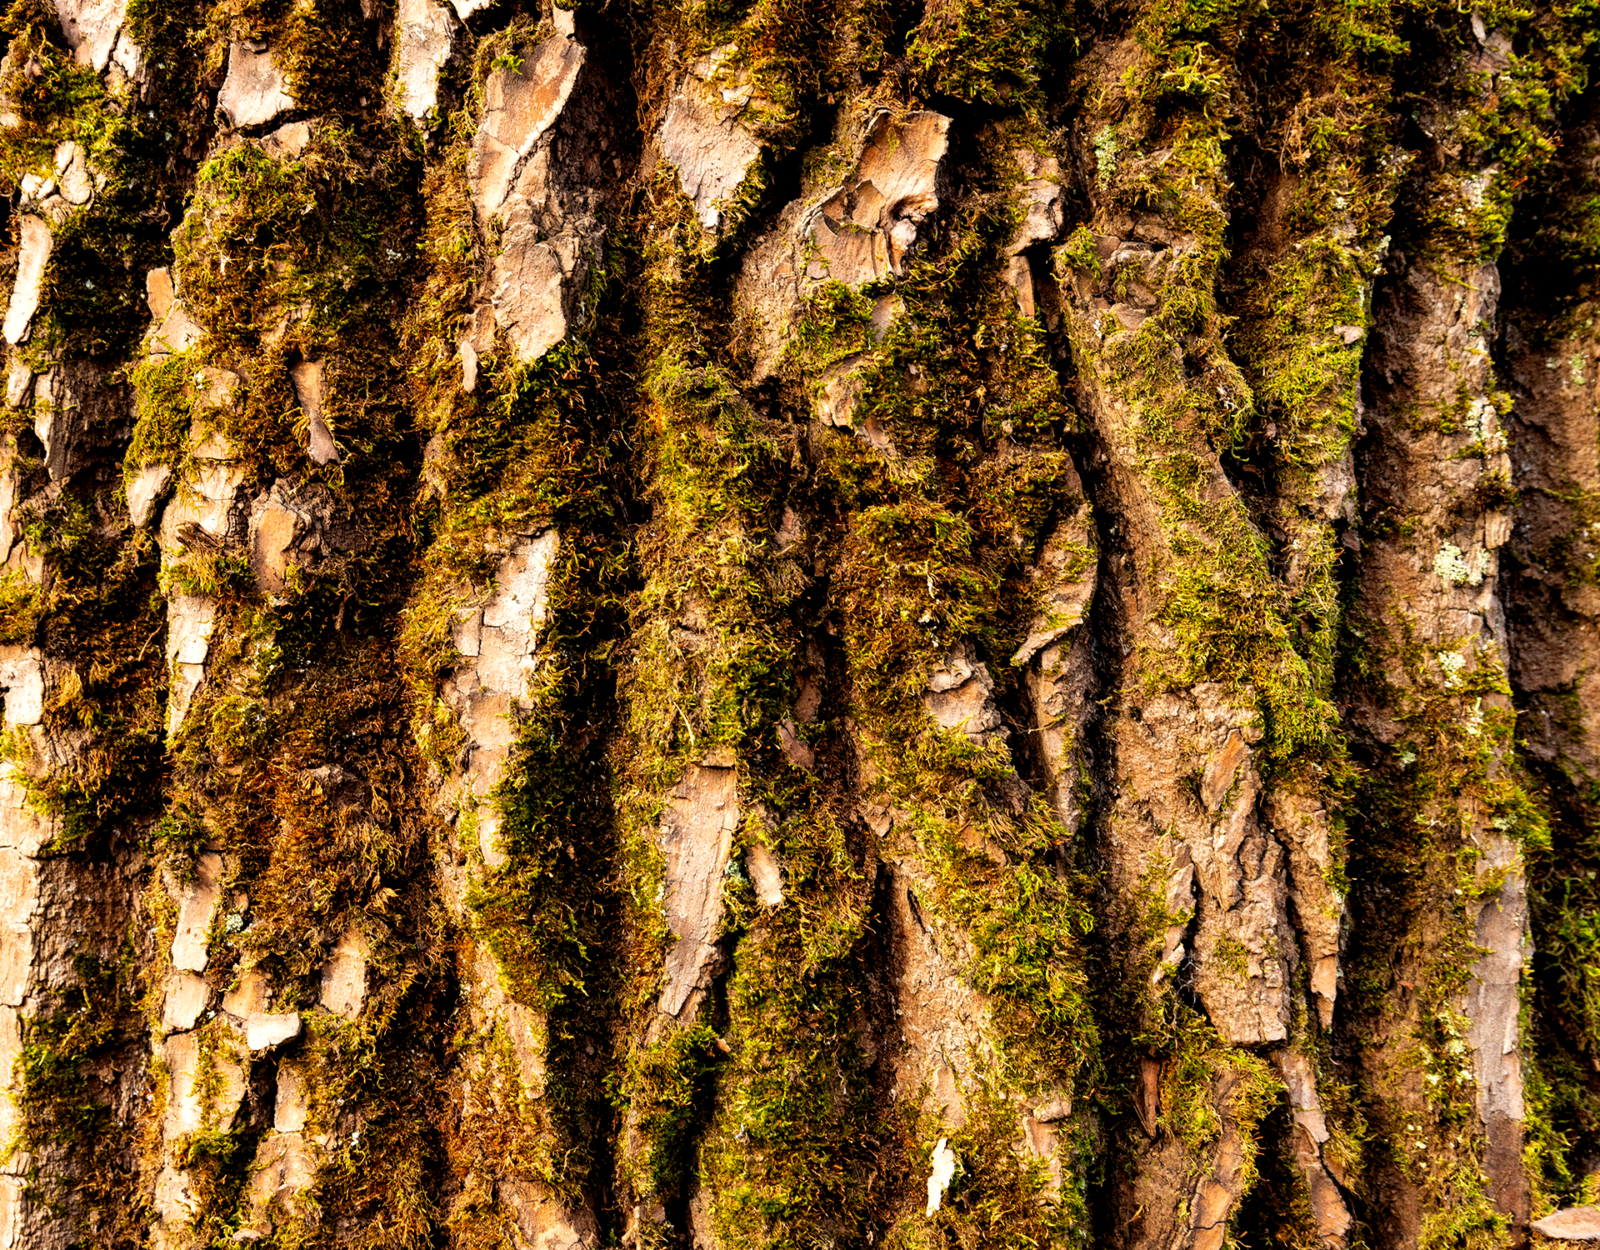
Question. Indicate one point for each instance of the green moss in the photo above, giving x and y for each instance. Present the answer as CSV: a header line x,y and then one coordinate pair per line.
x,y
46,102
543,915
784,1152
1467,1219
62,1102
329,62
1560,1118
380,1173
1000,1195
665,1087
1410,825
1079,252
93,287
1220,603
21,604
55,1090
1025,924
165,390
997,53
1196,1068
771,44
1562,1014
98,606
217,1163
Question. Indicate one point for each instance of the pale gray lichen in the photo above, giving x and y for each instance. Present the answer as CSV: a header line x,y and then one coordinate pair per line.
x,y
1105,155
1452,566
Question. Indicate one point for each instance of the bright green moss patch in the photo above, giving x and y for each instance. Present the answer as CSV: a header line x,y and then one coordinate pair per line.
x,y
165,390
1025,925
544,915
1197,1066
55,1097
997,53
665,1087
1562,1011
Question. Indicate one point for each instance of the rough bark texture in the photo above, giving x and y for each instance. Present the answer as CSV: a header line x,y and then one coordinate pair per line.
x,y
800,623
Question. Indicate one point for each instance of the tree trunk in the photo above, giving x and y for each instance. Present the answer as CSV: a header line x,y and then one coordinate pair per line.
x,y
814,623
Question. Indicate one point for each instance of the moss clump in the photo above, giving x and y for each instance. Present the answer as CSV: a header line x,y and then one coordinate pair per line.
x,y
516,462
55,1095
666,1086
786,1149
373,1087
1464,1218
217,1163
93,288
166,393
329,59
284,261
21,608
1197,1066
99,605
771,45
61,1099
544,915
1001,1195
996,54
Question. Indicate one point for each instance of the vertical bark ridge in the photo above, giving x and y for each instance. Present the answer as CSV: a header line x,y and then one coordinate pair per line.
x,y
1213,667
1443,837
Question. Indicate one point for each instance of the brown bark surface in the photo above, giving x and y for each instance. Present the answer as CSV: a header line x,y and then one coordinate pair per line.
x,y
716,625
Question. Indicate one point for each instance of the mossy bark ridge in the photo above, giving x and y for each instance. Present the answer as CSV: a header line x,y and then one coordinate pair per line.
x,y
781,624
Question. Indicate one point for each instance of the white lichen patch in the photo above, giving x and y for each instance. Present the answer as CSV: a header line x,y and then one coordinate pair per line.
x,y
1454,567
1483,425
944,1171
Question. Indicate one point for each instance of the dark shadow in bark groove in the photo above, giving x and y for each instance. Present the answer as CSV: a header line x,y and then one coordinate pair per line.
x,y
883,963
785,174
1106,955
1255,241
1106,624
1275,1212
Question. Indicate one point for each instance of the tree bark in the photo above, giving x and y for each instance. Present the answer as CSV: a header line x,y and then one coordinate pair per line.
x,y
798,624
